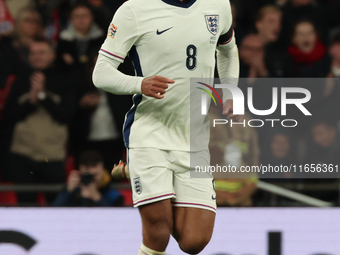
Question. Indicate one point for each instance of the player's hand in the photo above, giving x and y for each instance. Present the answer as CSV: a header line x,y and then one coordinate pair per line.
x,y
228,110
155,86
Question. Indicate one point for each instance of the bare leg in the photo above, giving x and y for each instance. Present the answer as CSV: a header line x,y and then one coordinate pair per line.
x,y
193,228
157,221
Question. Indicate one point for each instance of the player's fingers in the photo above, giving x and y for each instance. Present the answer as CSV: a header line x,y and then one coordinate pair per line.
x,y
239,118
163,79
162,85
226,111
158,90
157,95
230,116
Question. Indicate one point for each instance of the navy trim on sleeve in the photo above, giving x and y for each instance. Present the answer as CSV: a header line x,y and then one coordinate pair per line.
x,y
227,37
137,99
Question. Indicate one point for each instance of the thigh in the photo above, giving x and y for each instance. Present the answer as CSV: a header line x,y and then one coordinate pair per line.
x,y
195,204
193,224
151,178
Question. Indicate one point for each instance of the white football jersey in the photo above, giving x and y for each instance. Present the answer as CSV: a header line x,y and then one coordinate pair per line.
x,y
176,40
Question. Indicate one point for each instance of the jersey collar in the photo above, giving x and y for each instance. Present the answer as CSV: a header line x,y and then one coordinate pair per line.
x,y
178,3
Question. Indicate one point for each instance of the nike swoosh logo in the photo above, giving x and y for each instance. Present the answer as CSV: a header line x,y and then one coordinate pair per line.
x,y
161,32
213,198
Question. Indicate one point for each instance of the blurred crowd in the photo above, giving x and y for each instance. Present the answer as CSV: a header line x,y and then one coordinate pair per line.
x,y
51,115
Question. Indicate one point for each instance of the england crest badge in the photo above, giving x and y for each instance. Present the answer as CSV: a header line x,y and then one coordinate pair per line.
x,y
212,23
138,185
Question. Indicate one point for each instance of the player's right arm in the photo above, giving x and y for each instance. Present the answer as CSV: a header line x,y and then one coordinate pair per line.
x,y
122,35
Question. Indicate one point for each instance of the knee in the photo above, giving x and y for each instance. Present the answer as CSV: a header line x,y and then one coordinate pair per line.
x,y
158,233
193,244
157,230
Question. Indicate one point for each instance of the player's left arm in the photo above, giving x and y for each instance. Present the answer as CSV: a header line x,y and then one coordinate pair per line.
x,y
228,66
228,63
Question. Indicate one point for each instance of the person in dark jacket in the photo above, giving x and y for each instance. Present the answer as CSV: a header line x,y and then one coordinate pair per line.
x,y
90,185
39,108
268,26
77,41
325,148
278,149
99,119
28,26
323,153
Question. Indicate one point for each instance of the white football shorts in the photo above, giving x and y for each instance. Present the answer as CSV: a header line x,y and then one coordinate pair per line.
x,y
158,175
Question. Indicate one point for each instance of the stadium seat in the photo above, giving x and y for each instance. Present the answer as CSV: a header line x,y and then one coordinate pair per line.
x,y
127,194
8,198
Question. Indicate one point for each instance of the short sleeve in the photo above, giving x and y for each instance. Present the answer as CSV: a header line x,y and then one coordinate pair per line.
x,y
227,36
122,34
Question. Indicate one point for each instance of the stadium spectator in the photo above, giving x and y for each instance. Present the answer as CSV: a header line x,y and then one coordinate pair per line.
x,y
268,26
252,57
308,52
278,149
102,15
323,150
98,122
39,107
90,185
81,38
326,143
255,61
27,27
247,11
323,15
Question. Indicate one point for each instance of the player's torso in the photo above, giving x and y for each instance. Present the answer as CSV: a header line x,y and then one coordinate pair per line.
x,y
177,43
